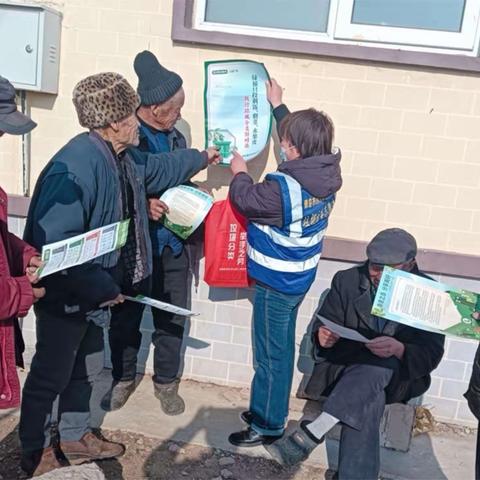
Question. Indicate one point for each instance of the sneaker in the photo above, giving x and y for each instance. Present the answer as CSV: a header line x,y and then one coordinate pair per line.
x,y
295,447
171,402
118,395
91,447
250,438
41,461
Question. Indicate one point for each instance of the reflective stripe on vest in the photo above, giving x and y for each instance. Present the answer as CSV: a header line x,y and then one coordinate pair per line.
x,y
286,258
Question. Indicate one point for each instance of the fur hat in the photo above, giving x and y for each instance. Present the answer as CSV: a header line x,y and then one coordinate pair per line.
x,y
156,84
104,98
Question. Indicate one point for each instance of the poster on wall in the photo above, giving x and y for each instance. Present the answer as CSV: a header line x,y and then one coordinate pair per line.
x,y
422,303
237,113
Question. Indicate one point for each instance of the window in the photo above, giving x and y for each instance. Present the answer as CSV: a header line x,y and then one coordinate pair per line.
x,y
447,24
442,26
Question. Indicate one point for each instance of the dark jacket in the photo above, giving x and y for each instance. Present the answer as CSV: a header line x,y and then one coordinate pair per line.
x,y
262,202
78,191
16,298
473,392
349,303
173,140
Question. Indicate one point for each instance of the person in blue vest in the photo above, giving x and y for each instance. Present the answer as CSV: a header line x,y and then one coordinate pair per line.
x,y
288,215
162,98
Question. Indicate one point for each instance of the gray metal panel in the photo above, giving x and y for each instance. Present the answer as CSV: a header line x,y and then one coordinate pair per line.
x,y
30,39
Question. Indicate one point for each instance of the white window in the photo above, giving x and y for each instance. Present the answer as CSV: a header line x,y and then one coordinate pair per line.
x,y
446,26
450,24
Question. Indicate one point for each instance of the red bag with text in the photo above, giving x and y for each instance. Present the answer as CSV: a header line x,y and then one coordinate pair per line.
x,y
225,247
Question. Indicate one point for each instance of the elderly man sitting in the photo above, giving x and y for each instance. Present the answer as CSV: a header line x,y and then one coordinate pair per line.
x,y
359,379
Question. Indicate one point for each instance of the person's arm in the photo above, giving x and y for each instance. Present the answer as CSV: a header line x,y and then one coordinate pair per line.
x,y
332,308
260,202
21,251
61,212
275,97
16,297
421,357
167,170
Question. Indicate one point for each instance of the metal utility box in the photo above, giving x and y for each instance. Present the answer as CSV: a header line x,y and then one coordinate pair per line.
x,y
30,46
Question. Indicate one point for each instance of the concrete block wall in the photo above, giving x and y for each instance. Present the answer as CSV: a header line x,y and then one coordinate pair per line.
x,y
409,136
218,347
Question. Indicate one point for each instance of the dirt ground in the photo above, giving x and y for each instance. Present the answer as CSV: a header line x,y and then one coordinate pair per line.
x,y
150,458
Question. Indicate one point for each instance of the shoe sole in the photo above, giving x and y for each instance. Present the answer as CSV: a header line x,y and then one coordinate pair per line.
x,y
79,458
250,444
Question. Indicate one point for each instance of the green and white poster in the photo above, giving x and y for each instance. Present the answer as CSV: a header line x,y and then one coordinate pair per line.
x,y
237,112
426,304
83,248
187,208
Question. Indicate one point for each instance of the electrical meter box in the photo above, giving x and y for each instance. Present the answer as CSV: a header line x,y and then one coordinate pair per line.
x,y
30,46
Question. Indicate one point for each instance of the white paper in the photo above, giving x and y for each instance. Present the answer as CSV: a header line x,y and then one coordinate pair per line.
x,y
161,305
343,332
82,248
188,207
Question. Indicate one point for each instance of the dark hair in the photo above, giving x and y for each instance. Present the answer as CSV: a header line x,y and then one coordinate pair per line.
x,y
310,131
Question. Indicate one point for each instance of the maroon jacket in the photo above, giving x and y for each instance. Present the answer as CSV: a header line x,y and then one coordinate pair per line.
x,y
16,298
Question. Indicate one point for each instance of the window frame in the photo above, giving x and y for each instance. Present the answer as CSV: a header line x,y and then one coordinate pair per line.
x,y
412,38
185,32
269,32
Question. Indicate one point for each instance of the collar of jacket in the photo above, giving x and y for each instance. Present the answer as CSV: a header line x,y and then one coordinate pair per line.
x,y
171,134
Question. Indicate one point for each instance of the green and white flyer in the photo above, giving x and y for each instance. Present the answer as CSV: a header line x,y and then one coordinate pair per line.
x,y
426,304
83,248
237,112
187,208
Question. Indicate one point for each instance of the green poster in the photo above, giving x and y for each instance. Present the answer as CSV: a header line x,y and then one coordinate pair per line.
x,y
237,113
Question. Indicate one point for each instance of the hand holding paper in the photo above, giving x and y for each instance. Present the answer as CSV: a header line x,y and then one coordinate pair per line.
x,y
214,157
274,93
156,209
238,163
386,347
342,331
326,338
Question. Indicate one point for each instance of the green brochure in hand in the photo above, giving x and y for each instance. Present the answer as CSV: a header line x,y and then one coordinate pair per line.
x,y
83,248
426,304
187,208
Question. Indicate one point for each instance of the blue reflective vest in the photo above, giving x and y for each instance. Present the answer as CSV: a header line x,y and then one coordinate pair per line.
x,y
286,258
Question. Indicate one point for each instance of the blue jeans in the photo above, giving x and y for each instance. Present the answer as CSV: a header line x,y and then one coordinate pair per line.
x,y
274,318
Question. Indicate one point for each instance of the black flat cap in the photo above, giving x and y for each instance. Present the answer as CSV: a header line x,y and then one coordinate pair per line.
x,y
11,120
392,246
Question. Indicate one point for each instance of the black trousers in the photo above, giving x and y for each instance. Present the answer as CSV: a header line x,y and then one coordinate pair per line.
x,y
358,401
68,358
170,283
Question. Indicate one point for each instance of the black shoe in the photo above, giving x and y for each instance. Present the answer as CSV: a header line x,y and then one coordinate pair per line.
x,y
246,417
250,438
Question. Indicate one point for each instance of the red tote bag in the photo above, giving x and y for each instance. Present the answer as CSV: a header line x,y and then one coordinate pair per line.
x,y
225,247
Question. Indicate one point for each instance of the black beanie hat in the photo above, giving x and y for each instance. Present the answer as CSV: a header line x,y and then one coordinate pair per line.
x,y
156,84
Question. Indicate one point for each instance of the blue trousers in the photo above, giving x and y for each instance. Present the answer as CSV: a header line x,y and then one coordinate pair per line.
x,y
274,318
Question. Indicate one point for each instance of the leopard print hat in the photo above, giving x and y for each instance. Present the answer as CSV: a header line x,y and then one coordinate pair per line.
x,y
104,98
